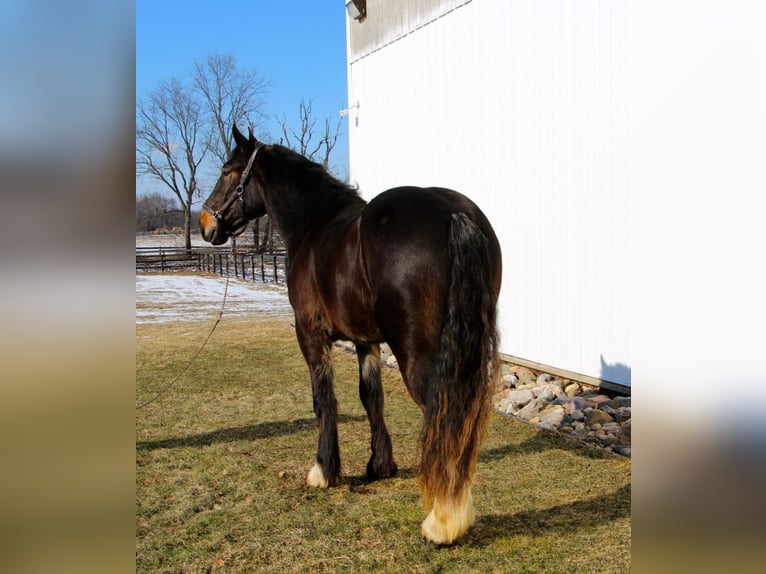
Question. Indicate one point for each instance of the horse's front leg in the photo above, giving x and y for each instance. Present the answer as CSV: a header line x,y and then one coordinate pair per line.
x,y
381,464
316,351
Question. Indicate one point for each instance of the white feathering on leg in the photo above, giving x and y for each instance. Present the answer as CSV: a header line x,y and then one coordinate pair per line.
x,y
316,477
449,521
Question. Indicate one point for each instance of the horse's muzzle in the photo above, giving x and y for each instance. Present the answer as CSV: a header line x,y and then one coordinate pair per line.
x,y
210,230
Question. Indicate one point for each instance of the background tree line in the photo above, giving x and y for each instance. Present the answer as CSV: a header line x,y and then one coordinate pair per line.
x,y
155,212
158,212
183,136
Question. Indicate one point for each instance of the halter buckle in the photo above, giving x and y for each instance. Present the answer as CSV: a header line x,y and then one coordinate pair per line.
x,y
213,212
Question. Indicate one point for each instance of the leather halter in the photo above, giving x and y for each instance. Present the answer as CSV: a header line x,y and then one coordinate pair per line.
x,y
239,192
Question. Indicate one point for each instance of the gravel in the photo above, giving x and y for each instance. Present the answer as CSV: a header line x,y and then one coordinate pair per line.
x,y
561,405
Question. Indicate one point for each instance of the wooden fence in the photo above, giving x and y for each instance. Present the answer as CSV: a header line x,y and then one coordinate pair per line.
x,y
262,267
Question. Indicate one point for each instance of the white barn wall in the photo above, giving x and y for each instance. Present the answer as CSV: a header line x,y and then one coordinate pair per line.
x,y
517,104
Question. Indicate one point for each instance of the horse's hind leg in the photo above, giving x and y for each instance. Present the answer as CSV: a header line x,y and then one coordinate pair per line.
x,y
447,486
381,464
316,351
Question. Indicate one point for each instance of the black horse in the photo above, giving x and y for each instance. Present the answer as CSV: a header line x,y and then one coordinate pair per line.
x,y
417,268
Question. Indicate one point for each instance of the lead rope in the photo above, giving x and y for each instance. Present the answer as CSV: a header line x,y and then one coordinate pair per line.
x,y
194,357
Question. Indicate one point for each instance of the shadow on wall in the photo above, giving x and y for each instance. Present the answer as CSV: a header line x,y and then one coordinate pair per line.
x,y
615,372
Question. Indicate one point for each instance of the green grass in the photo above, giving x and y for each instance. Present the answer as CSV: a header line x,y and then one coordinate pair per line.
x,y
222,457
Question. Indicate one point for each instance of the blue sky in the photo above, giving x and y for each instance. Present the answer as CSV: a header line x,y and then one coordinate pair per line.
x,y
299,46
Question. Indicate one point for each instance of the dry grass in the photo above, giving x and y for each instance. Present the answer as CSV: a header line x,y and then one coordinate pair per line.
x,y
221,461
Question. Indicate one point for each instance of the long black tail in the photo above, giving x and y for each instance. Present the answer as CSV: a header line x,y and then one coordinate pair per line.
x,y
458,406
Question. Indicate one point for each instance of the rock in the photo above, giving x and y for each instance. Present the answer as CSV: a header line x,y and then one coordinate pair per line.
x,y
560,383
622,402
505,369
572,390
570,404
524,375
610,427
555,389
577,415
567,429
552,415
625,428
623,414
509,380
544,378
545,394
518,398
531,410
608,410
598,399
577,404
608,440
624,451
599,417
553,409
527,387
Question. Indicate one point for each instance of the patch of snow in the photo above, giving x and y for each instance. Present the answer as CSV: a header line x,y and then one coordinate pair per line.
x,y
168,240
181,297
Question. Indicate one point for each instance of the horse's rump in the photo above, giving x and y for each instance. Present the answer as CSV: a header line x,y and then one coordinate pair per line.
x,y
405,237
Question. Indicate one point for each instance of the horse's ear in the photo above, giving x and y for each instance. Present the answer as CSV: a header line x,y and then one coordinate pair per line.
x,y
239,139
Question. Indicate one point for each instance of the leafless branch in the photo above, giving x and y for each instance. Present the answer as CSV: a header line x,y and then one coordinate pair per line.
x,y
303,139
229,95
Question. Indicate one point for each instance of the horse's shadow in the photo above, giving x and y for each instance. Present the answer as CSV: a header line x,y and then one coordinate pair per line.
x,y
557,519
245,433
542,441
360,483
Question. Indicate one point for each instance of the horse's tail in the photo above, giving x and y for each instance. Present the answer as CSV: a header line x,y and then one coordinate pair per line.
x,y
457,407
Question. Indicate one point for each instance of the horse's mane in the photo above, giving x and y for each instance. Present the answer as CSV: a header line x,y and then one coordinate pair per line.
x,y
313,176
304,194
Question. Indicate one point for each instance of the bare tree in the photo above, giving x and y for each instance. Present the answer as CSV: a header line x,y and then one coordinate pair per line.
x,y
172,142
229,95
302,139
179,126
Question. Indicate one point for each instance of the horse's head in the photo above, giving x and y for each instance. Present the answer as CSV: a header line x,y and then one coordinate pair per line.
x,y
235,199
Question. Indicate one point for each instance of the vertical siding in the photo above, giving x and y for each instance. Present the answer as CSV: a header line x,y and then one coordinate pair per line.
x,y
518,104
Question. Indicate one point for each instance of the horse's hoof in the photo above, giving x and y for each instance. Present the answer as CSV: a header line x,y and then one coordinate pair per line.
x,y
316,477
385,472
449,521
